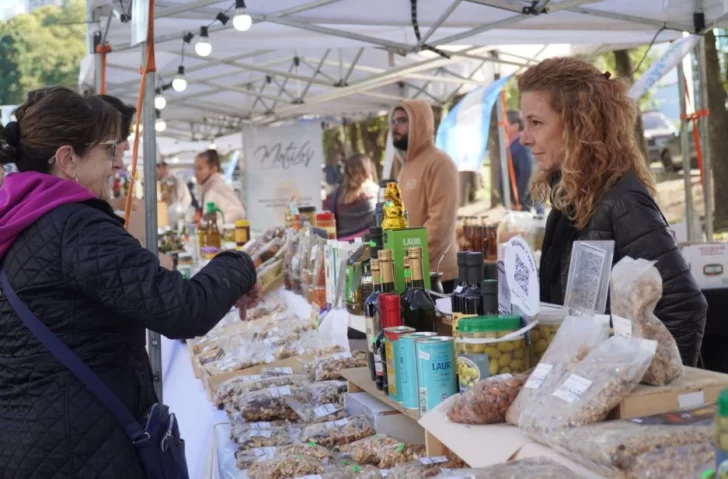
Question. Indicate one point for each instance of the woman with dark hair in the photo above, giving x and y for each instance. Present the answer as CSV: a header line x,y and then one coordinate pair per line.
x,y
213,188
70,261
354,201
580,129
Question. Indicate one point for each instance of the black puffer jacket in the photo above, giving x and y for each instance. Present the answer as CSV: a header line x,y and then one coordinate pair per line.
x,y
97,289
629,216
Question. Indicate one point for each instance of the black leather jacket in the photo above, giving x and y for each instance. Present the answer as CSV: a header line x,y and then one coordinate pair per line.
x,y
629,216
97,289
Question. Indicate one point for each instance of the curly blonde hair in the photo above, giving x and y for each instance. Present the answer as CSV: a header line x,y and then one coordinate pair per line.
x,y
599,141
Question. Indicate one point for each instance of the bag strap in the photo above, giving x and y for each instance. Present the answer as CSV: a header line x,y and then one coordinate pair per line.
x,y
69,359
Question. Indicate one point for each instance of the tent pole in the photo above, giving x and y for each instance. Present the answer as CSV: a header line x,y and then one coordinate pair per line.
x,y
149,118
704,140
685,148
502,143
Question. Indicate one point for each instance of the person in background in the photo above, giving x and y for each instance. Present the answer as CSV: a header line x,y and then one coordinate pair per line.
x,y
354,200
178,193
71,262
523,163
213,188
429,182
580,128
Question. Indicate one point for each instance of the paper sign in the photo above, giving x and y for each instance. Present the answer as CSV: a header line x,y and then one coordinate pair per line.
x,y
522,276
280,163
691,400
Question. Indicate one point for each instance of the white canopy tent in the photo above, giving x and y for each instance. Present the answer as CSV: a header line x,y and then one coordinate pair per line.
x,y
351,57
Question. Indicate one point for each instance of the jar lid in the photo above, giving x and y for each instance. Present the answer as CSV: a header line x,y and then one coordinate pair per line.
x,y
462,258
307,209
242,224
723,403
325,216
474,259
481,324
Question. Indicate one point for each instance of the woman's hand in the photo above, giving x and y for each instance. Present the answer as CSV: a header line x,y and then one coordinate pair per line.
x,y
249,300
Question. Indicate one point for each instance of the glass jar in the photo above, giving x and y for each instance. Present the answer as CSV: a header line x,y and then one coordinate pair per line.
x,y
549,322
309,212
481,353
242,233
228,237
327,221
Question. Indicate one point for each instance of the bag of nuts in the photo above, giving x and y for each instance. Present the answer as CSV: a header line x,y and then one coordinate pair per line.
x,y
424,467
488,401
285,467
382,451
328,368
263,434
576,337
337,433
271,404
680,461
593,388
538,467
244,459
635,291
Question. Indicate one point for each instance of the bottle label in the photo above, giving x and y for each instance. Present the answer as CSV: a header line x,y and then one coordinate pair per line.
x,y
369,329
378,365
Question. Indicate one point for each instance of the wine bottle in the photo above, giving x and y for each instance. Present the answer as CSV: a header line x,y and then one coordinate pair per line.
x,y
489,291
389,317
386,270
371,317
472,299
420,313
404,297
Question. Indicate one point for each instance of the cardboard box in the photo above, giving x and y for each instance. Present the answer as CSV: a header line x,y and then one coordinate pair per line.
x,y
694,388
708,263
384,418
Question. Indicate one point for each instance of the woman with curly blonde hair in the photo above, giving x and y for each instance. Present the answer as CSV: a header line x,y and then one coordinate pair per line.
x,y
580,129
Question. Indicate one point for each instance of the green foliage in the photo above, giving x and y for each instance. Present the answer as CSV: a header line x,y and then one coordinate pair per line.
x,y
41,48
606,62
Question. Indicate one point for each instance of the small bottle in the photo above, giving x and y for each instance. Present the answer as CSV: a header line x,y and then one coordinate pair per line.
x,y
489,292
404,297
371,317
242,233
387,270
209,233
421,313
456,298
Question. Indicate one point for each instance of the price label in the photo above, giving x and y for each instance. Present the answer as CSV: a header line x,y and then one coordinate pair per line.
x,y
502,377
324,410
538,375
261,433
259,425
280,392
264,452
572,389
341,356
622,327
433,460
283,370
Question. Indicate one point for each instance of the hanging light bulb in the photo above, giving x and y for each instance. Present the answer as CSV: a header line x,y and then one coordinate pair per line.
x,y
203,47
241,21
212,145
159,101
180,82
160,125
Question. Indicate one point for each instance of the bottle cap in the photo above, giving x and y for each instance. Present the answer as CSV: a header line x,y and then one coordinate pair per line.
x,y
325,216
210,207
475,259
489,324
385,255
383,183
389,310
462,258
242,224
374,263
307,209
414,253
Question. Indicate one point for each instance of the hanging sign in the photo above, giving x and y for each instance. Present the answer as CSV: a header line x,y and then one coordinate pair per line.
x,y
669,60
281,163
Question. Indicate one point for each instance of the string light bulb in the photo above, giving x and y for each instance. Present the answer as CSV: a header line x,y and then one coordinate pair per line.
x,y
241,21
179,84
203,47
159,101
160,125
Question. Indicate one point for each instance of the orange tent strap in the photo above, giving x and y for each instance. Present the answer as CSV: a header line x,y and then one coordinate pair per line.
x,y
103,50
149,66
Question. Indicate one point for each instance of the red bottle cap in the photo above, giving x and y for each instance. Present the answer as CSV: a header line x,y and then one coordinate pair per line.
x,y
389,312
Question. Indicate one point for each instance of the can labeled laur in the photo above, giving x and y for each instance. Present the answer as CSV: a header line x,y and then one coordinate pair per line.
x,y
391,351
435,371
408,368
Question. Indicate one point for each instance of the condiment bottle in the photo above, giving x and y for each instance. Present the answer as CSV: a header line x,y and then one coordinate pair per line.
x,y
242,233
210,241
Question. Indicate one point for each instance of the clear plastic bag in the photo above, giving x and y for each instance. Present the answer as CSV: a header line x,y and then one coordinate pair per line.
x,y
271,404
593,388
588,282
247,458
424,467
349,472
488,400
286,467
337,433
538,467
329,368
328,392
611,448
262,434
682,461
575,339
230,389
382,451
309,414
636,290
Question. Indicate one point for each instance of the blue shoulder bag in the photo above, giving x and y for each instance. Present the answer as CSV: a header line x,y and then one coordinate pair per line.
x,y
156,436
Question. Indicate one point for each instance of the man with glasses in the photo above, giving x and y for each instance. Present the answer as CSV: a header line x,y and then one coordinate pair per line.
x,y
429,182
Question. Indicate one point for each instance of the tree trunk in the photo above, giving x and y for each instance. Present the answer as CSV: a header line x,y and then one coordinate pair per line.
x,y
717,133
624,70
352,135
494,155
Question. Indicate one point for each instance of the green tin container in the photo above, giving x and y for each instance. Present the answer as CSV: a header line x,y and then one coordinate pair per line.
x,y
391,351
436,379
408,368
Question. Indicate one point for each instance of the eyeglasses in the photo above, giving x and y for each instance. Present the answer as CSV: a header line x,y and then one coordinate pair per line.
x,y
112,150
399,121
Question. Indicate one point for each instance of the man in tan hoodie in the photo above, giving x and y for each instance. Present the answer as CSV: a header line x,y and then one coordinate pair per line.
x,y
429,183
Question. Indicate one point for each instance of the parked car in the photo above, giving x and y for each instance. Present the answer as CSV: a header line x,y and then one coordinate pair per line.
x,y
663,141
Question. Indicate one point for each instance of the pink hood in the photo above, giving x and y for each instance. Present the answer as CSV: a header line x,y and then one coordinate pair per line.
x,y
26,197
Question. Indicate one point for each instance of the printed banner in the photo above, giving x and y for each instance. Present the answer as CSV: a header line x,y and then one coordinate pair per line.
x,y
280,163
669,60
463,134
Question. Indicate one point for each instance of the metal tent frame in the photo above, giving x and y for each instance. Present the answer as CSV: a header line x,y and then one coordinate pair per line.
x,y
352,58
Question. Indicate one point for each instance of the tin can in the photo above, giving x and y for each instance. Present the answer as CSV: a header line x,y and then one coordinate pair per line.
x,y
408,368
435,371
391,349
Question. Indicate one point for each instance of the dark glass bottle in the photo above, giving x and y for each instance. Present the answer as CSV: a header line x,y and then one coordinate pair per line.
x,y
456,297
389,317
472,299
489,291
404,297
420,313
380,362
387,270
371,316
366,287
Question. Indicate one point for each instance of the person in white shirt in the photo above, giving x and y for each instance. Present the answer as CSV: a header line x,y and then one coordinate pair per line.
x,y
213,188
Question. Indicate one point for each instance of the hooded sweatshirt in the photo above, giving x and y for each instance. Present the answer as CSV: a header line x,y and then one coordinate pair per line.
x,y
225,198
430,187
26,197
